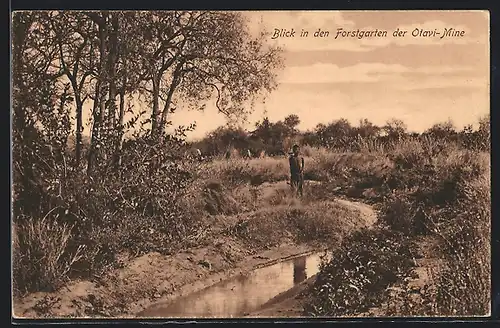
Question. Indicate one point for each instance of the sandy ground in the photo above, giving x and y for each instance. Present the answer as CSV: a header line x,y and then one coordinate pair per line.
x,y
155,279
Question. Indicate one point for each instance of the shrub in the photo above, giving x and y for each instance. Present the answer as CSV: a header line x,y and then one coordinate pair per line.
x,y
137,211
464,288
359,271
453,205
132,210
400,213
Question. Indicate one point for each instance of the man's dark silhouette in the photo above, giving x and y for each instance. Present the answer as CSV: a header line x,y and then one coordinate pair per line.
x,y
296,170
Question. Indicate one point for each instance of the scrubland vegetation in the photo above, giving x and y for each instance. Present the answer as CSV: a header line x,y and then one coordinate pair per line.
x,y
423,187
435,189
80,204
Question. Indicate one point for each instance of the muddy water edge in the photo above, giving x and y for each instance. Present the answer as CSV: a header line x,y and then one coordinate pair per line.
x,y
241,294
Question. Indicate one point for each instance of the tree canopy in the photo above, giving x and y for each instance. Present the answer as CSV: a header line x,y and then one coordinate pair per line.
x,y
172,60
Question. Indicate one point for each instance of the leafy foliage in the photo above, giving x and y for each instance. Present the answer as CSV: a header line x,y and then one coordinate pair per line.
x,y
352,280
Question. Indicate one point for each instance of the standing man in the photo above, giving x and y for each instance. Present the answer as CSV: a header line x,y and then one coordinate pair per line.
x,y
296,170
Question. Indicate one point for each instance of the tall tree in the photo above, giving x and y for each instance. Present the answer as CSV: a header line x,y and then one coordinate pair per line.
x,y
199,55
367,129
180,59
395,128
74,36
292,121
100,19
129,74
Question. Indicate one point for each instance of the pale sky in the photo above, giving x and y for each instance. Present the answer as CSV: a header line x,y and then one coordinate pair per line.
x,y
421,80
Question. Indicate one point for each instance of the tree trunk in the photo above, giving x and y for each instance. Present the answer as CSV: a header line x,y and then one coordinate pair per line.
x,y
17,52
79,117
99,102
79,128
168,102
20,128
164,113
156,105
119,144
95,130
113,58
79,120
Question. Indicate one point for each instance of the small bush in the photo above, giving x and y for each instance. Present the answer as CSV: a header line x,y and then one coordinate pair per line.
x,y
217,200
400,213
358,272
464,288
406,300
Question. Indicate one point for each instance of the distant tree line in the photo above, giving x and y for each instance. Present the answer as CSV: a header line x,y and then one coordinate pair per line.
x,y
276,138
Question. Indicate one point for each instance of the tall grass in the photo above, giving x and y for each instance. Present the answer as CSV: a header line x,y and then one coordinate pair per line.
x,y
464,285
41,255
236,171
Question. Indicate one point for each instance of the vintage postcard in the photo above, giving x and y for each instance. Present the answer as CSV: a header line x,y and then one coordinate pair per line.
x,y
225,164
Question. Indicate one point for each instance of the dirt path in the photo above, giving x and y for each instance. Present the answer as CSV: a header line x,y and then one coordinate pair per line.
x,y
155,278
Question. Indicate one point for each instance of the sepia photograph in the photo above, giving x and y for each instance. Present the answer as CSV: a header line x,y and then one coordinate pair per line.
x,y
250,164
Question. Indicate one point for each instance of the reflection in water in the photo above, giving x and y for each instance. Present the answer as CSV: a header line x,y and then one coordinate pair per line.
x,y
242,294
299,270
